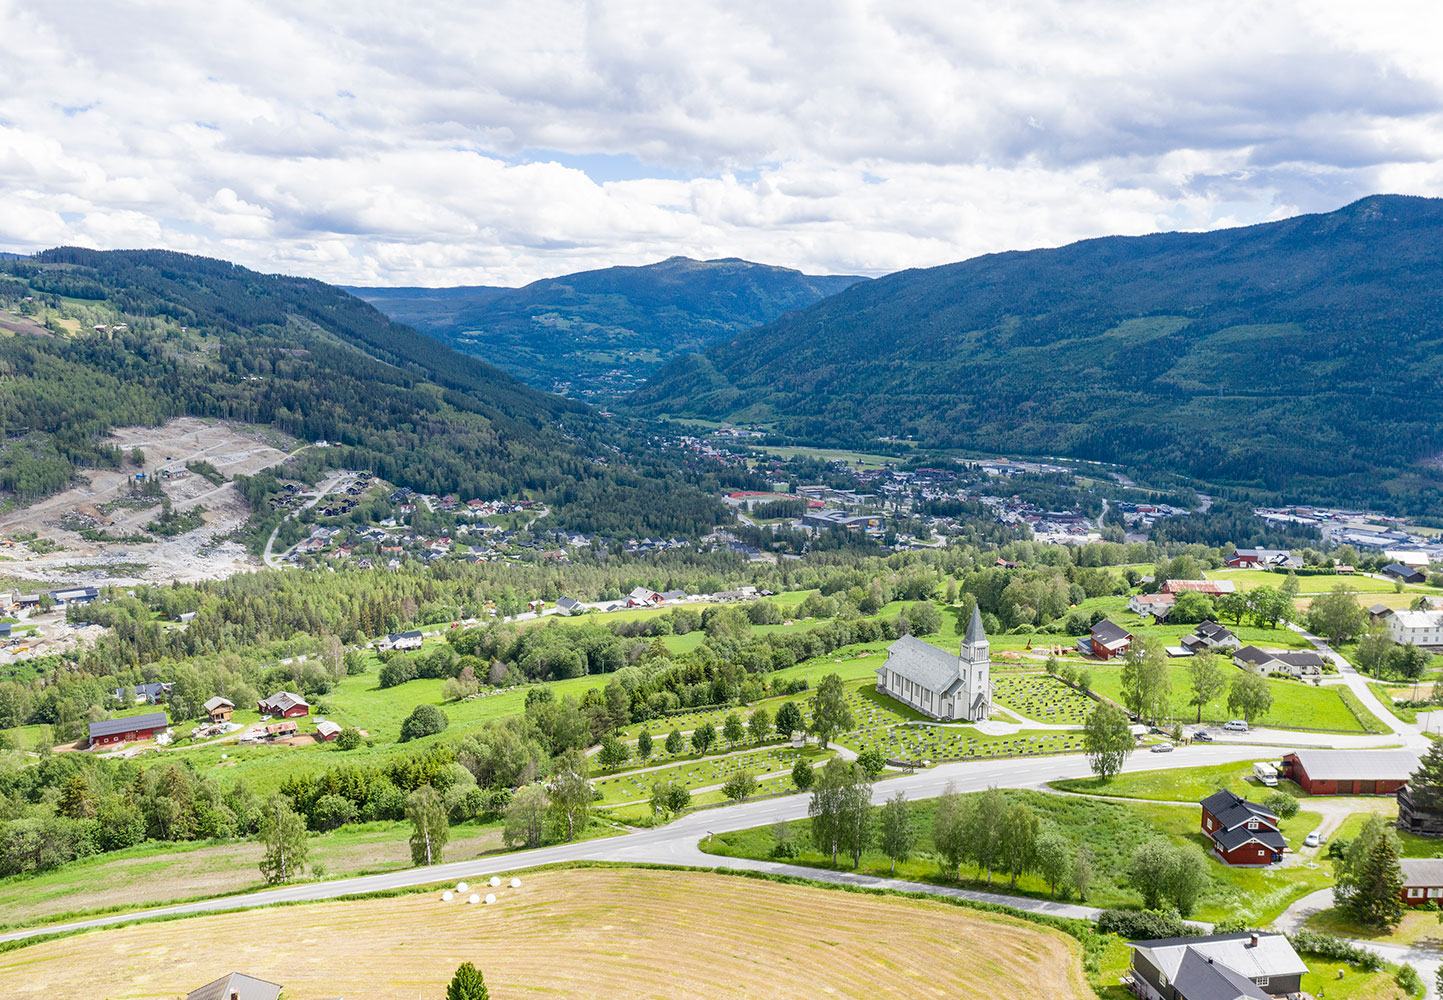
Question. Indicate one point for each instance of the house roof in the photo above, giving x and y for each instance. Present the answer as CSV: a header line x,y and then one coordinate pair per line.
x,y
1213,631
283,700
1357,765
567,603
1233,810
1421,872
245,987
1108,632
326,727
922,663
1200,978
1418,619
131,723
216,703
1201,586
1398,569
1231,840
1271,956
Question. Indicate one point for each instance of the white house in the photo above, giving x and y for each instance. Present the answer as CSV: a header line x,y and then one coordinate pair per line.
x,y
1421,628
938,684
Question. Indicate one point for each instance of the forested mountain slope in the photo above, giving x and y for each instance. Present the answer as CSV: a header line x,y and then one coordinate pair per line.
x,y
1303,355
207,338
599,333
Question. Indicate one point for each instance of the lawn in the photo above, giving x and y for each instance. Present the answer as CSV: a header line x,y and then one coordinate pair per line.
x,y
1417,927
633,787
1295,705
1178,785
604,933
1111,831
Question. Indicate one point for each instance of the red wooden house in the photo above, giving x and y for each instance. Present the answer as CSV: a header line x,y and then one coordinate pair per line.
x,y
284,705
1243,833
135,727
1422,880
1106,640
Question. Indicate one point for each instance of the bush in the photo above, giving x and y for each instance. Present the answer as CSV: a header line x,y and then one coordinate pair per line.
x,y
348,738
1142,925
424,720
1327,946
1408,979
1281,803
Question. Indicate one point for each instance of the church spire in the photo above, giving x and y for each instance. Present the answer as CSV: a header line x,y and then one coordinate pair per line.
x,y
975,632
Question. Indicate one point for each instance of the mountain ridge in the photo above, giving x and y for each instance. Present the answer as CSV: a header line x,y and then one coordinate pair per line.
x,y
1250,358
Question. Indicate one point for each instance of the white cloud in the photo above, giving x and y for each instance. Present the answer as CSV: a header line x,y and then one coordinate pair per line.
x,y
345,141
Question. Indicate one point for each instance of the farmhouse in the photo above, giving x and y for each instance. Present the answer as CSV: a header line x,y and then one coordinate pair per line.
x,y
1250,964
236,986
1267,662
1157,605
404,640
1243,833
1421,628
1212,588
284,705
219,709
568,604
1422,880
135,727
642,598
150,693
1263,559
936,683
1349,772
1105,641
1210,635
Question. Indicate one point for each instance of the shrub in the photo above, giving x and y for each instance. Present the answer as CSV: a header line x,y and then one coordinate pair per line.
x,y
1327,946
1408,979
424,720
1141,925
348,738
1281,803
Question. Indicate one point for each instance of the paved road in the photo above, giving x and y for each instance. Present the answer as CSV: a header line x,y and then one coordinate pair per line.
x,y
676,843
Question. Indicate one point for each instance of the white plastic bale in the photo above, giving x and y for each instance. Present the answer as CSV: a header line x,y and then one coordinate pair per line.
x,y
473,898
495,881
446,896
490,898
515,883
460,886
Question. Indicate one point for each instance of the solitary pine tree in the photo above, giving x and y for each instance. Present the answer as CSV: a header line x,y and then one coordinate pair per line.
x,y
467,984
1378,899
1425,786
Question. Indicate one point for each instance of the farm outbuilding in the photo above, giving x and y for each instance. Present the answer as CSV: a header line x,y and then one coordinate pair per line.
x,y
135,727
284,705
1350,772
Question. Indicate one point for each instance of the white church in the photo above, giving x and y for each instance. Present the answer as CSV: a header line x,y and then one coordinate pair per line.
x,y
936,683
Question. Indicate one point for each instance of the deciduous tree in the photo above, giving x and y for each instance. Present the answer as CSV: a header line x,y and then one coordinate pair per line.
x,y
897,832
284,835
1107,740
430,827
830,713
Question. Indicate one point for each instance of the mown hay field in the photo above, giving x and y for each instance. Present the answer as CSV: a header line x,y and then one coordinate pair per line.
x,y
575,933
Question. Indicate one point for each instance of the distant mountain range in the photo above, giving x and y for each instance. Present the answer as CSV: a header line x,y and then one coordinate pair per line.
x,y
599,334
1303,357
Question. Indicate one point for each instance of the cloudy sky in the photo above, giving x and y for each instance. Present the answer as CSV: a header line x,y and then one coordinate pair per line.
x,y
494,143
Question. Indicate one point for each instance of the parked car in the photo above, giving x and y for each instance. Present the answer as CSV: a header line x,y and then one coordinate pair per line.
x,y
1162,748
1311,840
1202,736
1236,726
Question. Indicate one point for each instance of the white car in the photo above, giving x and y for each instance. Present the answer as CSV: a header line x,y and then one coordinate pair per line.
x,y
1311,840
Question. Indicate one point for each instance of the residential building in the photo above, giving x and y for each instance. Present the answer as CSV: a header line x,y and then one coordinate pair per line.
x,y
936,683
1210,635
568,604
219,709
284,705
152,693
1106,640
1212,588
110,732
641,597
1156,605
1350,772
236,986
1250,964
1422,880
404,640
1243,833
1264,559
1268,662
326,730
1421,628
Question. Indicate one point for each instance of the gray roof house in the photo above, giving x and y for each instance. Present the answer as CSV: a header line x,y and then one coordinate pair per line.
x,y
236,986
938,684
1244,966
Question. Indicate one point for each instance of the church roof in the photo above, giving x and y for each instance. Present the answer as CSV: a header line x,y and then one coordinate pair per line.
x,y
975,631
923,664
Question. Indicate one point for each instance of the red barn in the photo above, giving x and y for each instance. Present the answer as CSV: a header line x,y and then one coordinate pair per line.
x,y
1243,833
1106,641
1350,772
135,727
284,705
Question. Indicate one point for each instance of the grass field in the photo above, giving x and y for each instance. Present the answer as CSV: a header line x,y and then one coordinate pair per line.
x,y
1111,830
708,771
1295,705
575,933
1190,785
